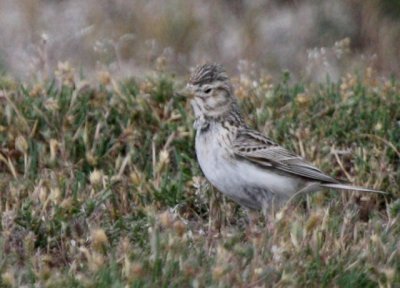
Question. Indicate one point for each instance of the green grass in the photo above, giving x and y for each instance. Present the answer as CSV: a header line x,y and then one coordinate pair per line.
x,y
100,187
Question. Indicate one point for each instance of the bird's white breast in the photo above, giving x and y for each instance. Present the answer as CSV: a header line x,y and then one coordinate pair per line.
x,y
230,175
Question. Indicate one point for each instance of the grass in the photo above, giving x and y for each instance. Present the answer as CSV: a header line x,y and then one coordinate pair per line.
x,y
100,186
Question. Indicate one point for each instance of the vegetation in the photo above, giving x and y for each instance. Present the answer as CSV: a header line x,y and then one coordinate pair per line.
x,y
100,186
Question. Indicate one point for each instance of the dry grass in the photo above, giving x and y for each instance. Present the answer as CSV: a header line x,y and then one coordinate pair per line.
x,y
100,186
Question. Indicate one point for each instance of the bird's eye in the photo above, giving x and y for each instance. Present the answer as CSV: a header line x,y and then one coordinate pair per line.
x,y
207,91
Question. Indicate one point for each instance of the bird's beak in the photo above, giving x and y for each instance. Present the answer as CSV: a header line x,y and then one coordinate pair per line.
x,y
188,91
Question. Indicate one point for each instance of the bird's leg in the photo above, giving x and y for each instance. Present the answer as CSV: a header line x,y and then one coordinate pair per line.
x,y
253,218
269,209
266,206
214,218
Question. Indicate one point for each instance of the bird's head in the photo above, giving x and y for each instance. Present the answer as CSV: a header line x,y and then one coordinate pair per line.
x,y
212,91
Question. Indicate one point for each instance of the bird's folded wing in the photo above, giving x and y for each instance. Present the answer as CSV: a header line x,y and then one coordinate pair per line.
x,y
256,148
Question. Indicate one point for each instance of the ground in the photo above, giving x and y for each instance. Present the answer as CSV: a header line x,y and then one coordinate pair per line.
x,y
100,186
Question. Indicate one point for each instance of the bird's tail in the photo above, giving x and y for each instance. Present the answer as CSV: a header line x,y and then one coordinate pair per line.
x,y
350,187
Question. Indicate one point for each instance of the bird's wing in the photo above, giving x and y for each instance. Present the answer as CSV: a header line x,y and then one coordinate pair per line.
x,y
256,148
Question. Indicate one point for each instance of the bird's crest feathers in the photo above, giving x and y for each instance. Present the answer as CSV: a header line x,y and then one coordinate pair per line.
x,y
208,73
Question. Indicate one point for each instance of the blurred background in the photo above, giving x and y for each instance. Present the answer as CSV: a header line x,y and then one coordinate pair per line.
x,y
309,38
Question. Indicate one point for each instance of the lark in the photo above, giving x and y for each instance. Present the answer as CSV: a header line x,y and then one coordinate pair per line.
x,y
240,162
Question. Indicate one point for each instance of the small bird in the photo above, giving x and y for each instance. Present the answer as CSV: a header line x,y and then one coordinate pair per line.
x,y
240,162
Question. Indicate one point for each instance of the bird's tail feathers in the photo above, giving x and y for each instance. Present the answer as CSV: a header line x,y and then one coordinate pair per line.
x,y
350,187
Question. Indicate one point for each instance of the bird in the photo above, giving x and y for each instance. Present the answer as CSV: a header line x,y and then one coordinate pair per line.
x,y
242,163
